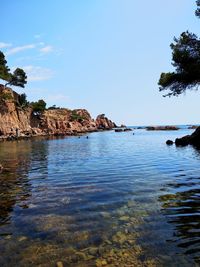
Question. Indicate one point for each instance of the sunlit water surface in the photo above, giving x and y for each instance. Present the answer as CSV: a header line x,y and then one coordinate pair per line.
x,y
114,199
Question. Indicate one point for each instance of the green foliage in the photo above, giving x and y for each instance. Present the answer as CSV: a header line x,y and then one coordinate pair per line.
x,y
198,8
18,78
22,101
53,107
39,106
186,60
6,96
76,117
4,70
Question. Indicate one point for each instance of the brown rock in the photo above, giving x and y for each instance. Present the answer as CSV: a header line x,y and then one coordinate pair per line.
x,y
17,122
104,123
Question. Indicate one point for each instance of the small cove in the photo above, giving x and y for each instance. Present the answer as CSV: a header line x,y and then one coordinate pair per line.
x,y
114,199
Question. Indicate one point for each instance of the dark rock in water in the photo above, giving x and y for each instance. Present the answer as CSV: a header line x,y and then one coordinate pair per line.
x,y
123,126
193,127
118,130
184,141
169,142
193,139
162,128
127,129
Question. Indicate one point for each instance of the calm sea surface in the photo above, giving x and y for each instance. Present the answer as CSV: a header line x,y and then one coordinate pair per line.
x,y
114,199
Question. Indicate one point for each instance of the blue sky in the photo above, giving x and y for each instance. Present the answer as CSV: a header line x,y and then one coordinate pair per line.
x,y
102,55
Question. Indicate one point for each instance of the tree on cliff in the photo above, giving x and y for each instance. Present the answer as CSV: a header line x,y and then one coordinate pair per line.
x,y
38,107
17,78
4,70
198,8
186,60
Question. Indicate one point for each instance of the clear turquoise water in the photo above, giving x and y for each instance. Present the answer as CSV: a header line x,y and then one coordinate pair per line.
x,y
115,199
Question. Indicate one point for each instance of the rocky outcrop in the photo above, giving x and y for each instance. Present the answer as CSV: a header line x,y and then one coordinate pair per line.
x,y
104,123
162,128
193,127
17,121
193,139
169,142
118,130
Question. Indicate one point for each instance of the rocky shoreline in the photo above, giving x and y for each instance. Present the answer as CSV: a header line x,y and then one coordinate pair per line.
x,y
17,122
193,139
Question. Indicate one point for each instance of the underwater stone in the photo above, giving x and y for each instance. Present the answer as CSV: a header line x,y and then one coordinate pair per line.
x,y
22,238
93,251
124,218
59,264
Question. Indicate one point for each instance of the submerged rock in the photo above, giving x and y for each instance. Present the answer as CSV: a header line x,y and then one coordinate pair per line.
x,y
93,251
59,264
101,262
1,168
22,238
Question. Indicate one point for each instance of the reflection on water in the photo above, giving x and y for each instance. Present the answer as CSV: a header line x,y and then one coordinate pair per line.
x,y
182,209
110,200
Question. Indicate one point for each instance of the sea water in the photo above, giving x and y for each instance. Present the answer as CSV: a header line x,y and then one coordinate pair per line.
x,y
114,199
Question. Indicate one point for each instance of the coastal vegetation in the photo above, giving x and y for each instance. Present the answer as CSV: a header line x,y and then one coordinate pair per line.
x,y
186,60
17,78
38,106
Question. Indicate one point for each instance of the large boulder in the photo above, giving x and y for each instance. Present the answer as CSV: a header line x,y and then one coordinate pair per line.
x,y
12,116
104,123
193,139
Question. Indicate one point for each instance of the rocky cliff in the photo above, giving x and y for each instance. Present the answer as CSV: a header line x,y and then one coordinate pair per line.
x,y
16,120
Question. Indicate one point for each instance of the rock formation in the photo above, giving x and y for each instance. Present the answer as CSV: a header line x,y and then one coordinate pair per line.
x,y
104,123
21,121
162,128
193,127
193,139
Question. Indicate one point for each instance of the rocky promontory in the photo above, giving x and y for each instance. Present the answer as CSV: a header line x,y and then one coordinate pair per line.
x,y
17,120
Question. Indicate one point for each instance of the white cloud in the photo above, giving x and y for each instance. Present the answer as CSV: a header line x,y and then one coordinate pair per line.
x,y
46,49
36,73
4,45
19,49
